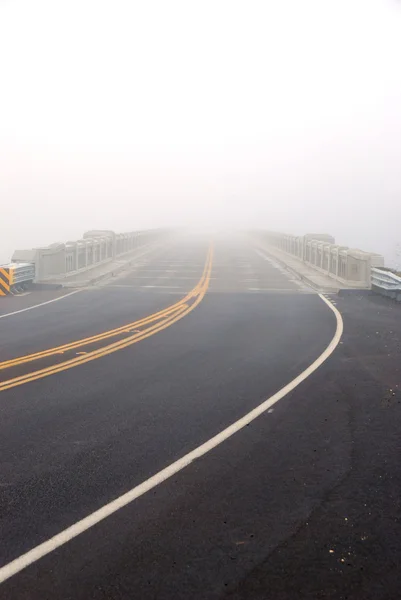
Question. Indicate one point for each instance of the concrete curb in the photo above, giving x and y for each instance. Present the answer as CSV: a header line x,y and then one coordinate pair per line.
x,y
343,292
45,286
114,270
321,289
391,294
95,280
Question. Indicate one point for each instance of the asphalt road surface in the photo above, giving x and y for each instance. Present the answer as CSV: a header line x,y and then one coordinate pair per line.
x,y
302,502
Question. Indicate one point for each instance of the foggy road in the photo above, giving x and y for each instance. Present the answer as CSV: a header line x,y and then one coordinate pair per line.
x,y
182,415
104,389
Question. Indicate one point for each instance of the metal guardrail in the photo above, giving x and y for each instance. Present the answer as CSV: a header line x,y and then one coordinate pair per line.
x,y
386,280
23,272
15,276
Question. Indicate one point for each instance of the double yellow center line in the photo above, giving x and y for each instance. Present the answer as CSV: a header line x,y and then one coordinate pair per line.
x,y
152,324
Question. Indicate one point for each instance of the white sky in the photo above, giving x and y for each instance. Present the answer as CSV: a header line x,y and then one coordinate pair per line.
x,y
125,114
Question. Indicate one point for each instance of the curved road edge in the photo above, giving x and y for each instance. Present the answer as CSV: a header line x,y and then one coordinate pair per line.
x,y
86,523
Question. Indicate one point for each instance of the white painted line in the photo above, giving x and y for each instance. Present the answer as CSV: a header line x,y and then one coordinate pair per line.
x,y
17,312
259,253
286,273
183,264
159,270
164,287
114,285
273,263
86,523
274,290
136,277
142,289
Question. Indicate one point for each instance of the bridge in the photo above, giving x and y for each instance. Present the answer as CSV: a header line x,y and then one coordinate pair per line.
x,y
197,415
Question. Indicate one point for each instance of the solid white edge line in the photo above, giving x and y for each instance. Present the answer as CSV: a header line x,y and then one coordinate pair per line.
x,y
17,312
299,282
68,534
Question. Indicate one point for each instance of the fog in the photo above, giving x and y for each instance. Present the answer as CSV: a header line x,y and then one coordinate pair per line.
x,y
133,114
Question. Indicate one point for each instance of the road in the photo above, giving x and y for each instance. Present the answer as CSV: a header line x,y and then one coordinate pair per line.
x,y
300,502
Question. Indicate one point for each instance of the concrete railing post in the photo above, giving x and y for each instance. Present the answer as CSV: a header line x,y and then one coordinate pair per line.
x,y
76,256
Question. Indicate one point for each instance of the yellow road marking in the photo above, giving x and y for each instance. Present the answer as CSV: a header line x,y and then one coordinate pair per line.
x,y
179,313
83,342
106,334
127,498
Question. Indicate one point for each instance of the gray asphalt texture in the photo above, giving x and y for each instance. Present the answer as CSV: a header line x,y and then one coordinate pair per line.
x,y
302,503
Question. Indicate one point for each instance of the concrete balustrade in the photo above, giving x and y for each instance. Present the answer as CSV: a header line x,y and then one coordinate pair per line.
x,y
96,247
349,266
